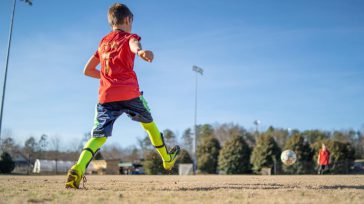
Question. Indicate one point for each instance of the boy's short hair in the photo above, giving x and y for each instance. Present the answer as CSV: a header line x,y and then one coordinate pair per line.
x,y
117,13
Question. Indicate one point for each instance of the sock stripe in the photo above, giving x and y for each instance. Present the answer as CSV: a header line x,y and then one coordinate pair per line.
x,y
93,154
90,150
160,146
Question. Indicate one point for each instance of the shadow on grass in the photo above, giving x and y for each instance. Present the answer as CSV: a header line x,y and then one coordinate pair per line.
x,y
338,187
265,186
226,187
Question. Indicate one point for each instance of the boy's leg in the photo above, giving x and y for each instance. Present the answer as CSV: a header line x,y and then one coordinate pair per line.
x,y
88,152
75,174
325,169
105,116
138,110
169,158
321,169
156,139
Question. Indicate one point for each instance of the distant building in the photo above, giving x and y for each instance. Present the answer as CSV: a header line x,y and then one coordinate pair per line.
x,y
112,166
97,167
358,167
130,168
185,169
51,166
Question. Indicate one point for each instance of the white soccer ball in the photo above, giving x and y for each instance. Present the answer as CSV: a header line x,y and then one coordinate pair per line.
x,y
288,157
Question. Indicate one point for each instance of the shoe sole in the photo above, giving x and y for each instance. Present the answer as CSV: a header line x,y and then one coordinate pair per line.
x,y
70,185
71,180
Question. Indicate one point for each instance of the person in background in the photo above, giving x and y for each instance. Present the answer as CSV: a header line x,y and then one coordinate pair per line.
x,y
323,160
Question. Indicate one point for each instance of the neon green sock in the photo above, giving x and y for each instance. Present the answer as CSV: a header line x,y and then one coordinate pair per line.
x,y
156,139
94,144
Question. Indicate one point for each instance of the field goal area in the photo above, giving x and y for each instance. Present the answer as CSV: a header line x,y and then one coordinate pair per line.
x,y
185,169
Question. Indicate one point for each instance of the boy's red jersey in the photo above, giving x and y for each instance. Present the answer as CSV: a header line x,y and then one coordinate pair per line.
x,y
118,81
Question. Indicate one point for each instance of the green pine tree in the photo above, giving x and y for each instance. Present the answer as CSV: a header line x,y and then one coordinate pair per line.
x,y
204,131
184,157
153,164
207,155
266,154
304,163
7,164
235,156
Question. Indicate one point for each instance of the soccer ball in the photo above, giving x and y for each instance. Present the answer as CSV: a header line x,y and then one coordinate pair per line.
x,y
288,157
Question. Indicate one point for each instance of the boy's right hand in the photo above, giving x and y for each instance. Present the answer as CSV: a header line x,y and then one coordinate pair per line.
x,y
146,55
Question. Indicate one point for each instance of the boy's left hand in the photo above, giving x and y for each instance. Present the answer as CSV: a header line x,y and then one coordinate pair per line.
x,y
146,55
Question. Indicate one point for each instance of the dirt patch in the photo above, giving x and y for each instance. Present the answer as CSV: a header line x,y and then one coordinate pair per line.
x,y
185,189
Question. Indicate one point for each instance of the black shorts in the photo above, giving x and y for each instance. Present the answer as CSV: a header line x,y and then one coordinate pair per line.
x,y
323,167
106,114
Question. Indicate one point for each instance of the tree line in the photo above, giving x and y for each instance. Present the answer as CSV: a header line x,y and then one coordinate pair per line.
x,y
223,148
231,149
250,152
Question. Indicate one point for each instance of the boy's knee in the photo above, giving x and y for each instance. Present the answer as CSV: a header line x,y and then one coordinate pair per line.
x,y
143,118
147,125
96,142
99,139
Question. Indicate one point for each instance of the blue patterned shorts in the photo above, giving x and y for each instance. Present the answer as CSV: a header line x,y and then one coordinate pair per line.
x,y
106,114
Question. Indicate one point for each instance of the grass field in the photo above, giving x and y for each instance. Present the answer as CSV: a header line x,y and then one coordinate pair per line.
x,y
185,189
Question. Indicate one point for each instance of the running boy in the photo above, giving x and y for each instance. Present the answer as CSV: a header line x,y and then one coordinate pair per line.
x,y
119,92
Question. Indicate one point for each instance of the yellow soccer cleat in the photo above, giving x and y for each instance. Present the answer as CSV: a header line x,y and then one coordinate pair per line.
x,y
74,178
173,154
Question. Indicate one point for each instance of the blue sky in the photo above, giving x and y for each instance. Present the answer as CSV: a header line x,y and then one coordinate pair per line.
x,y
290,64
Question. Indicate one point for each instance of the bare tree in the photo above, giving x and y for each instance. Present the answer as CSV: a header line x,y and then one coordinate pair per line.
x,y
84,140
187,140
113,151
6,142
8,145
42,145
169,138
279,134
56,147
30,148
144,144
43,142
228,131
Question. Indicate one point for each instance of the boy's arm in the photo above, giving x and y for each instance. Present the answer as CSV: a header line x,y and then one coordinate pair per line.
x,y
136,48
90,68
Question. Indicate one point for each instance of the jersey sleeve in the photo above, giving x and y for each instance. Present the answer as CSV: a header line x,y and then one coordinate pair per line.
x,y
97,54
135,36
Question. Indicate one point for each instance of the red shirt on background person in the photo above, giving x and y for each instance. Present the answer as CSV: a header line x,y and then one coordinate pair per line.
x,y
323,160
324,156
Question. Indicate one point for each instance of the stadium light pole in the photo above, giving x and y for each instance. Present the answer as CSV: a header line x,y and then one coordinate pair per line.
x,y
29,2
198,70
